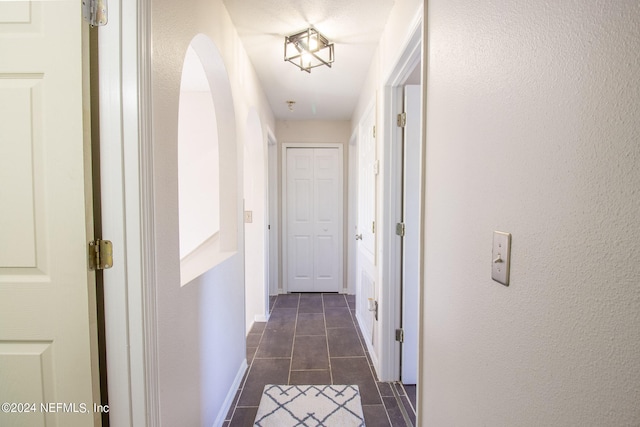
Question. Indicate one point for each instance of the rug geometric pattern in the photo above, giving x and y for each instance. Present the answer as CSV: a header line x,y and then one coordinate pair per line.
x,y
310,406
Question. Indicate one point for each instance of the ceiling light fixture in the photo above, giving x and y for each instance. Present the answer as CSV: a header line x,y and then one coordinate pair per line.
x,y
308,49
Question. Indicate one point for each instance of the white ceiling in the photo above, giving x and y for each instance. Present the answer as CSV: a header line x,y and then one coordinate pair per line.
x,y
354,26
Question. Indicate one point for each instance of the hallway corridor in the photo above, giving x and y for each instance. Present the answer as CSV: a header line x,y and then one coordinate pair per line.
x,y
314,339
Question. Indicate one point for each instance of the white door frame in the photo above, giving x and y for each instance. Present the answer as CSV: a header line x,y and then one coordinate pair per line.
x,y
352,214
411,241
285,146
391,201
127,212
273,278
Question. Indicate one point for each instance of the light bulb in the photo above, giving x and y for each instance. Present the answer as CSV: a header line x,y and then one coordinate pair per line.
x,y
313,43
306,59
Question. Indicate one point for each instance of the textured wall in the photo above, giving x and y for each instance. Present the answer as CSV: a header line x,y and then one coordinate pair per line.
x,y
201,330
255,198
533,127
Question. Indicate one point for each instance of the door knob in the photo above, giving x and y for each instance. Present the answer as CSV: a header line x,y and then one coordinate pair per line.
x,y
358,236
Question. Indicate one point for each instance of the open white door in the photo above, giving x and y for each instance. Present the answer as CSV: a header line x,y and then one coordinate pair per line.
x,y
366,273
411,239
47,293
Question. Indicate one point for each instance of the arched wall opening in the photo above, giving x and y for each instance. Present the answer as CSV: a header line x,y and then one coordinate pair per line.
x,y
207,179
256,231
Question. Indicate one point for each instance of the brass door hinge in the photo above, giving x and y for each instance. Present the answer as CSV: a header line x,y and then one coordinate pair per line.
x,y
373,307
402,120
95,12
100,255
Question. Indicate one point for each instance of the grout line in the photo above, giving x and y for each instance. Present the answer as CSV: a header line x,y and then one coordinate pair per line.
x,y
371,370
330,368
272,358
293,342
308,370
350,357
326,334
400,404
408,399
246,378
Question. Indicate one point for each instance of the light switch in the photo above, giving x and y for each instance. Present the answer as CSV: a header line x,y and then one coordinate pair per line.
x,y
501,257
248,217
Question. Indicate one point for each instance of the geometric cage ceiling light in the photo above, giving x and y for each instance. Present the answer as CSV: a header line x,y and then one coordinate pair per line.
x,y
308,49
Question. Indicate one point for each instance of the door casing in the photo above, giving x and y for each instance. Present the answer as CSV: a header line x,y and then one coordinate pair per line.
x,y
273,227
410,56
128,214
411,240
285,249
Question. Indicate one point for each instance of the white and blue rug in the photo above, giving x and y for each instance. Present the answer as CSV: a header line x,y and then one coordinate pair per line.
x,y
310,406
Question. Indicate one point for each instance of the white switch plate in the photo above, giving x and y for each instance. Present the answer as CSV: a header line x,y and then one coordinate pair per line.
x,y
248,217
501,257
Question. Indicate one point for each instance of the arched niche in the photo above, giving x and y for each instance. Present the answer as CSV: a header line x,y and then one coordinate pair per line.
x,y
207,164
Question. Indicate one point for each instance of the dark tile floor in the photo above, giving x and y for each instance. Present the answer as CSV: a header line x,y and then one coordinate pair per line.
x,y
314,339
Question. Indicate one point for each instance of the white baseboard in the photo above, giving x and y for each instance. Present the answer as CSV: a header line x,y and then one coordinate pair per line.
x,y
262,317
228,401
370,349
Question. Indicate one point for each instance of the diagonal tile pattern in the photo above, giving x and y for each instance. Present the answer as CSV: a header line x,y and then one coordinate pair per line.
x,y
314,339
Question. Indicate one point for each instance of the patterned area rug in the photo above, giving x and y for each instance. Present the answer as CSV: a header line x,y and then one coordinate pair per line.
x,y
310,405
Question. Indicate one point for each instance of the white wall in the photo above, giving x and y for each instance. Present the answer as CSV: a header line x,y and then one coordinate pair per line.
x,y
201,326
396,32
313,131
533,127
256,242
197,163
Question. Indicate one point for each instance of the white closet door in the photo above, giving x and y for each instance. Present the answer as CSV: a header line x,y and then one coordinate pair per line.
x,y
299,219
314,219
